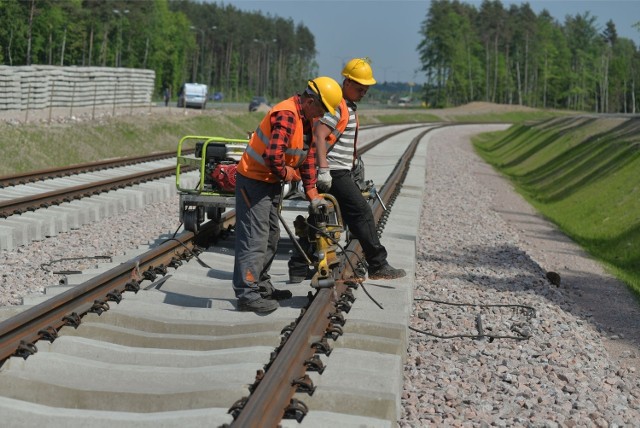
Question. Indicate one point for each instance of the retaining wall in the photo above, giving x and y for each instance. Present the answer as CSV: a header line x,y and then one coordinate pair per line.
x,y
43,86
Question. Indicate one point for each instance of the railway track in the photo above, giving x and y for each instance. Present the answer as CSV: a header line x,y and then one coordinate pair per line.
x,y
46,199
177,353
35,176
80,199
177,350
81,194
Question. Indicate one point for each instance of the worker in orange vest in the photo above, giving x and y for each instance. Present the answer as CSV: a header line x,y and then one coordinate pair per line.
x,y
280,150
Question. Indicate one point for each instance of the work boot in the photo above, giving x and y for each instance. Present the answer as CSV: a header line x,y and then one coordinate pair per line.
x,y
258,305
272,293
386,272
298,275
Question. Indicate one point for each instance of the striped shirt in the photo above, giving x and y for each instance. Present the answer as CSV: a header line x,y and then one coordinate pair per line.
x,y
340,155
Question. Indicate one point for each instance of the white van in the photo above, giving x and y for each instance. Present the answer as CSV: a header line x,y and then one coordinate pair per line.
x,y
193,95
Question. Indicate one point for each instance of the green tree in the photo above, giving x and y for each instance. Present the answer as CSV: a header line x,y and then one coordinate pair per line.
x,y
524,27
13,32
552,62
436,51
622,70
232,51
490,22
516,56
584,47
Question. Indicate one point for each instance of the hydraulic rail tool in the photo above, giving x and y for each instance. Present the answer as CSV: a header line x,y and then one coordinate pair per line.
x,y
325,228
320,234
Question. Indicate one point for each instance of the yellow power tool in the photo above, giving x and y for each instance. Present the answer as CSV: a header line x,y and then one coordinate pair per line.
x,y
324,228
321,231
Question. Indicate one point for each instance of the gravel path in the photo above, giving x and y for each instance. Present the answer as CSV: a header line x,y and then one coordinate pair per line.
x,y
481,244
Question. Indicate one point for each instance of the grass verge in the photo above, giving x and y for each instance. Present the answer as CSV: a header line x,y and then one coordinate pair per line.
x,y
39,146
582,174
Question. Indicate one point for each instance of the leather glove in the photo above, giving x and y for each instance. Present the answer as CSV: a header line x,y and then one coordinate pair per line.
x,y
291,174
324,179
320,204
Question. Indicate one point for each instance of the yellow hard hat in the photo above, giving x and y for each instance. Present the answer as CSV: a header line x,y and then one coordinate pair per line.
x,y
329,92
358,69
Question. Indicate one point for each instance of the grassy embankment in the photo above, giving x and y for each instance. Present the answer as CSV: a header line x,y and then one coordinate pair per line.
x,y
39,146
36,146
582,174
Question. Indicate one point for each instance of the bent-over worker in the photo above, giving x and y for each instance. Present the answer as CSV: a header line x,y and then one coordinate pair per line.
x,y
281,150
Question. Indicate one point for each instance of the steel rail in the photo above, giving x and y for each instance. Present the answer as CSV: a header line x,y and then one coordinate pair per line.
x,y
43,200
370,145
45,174
271,398
19,334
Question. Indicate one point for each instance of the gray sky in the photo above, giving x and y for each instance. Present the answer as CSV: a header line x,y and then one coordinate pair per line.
x,y
387,31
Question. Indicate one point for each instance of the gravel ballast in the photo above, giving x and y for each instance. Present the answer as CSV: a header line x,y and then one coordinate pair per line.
x,y
479,244
29,269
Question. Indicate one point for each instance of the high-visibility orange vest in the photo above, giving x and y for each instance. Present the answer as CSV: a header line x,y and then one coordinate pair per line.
x,y
253,165
340,126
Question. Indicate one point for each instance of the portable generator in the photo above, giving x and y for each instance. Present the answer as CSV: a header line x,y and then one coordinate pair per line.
x,y
216,159
220,161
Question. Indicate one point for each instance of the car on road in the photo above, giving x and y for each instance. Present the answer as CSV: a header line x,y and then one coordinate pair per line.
x,y
256,102
193,95
404,102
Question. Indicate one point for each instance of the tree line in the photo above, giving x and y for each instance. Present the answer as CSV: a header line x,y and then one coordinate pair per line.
x,y
468,53
514,56
234,52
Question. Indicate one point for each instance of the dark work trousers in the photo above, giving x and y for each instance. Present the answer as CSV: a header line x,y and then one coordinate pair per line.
x,y
257,233
357,215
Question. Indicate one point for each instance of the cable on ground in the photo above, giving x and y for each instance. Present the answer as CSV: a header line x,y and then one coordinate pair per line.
x,y
481,334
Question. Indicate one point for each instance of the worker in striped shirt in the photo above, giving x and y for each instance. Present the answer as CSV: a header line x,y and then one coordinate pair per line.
x,y
336,136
